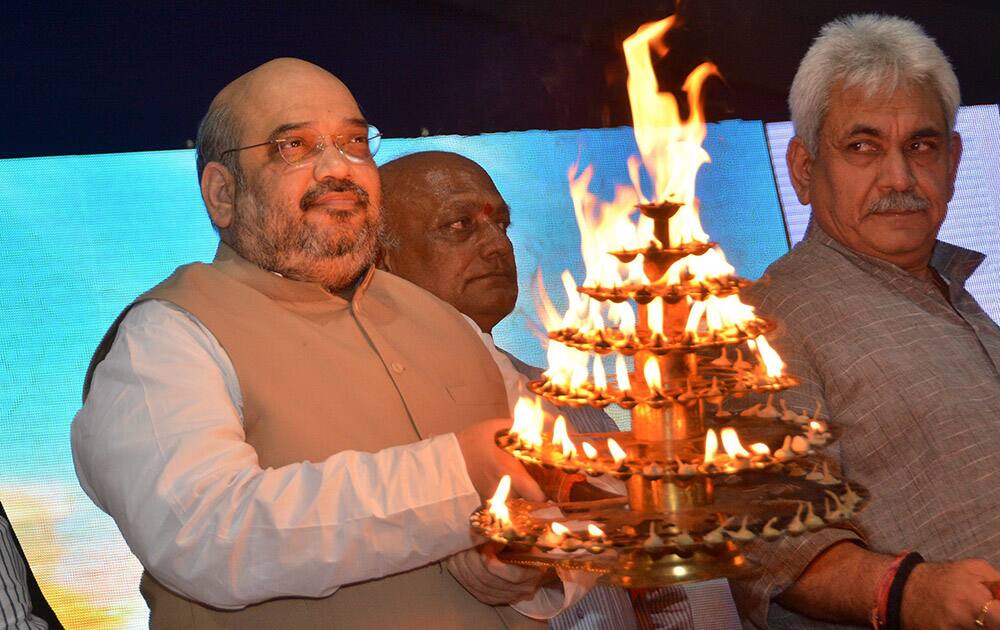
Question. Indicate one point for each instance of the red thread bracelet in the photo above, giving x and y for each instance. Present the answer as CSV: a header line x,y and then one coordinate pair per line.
x,y
878,617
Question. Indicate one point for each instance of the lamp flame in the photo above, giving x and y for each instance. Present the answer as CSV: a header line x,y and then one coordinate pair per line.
x,y
731,442
773,364
617,453
589,450
529,420
621,374
559,433
654,316
600,379
670,148
623,313
652,373
558,528
498,504
711,446
560,437
594,531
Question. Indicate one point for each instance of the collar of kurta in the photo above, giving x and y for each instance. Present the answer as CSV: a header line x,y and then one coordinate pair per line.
x,y
954,263
283,289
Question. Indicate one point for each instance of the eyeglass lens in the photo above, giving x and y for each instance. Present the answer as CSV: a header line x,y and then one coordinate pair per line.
x,y
305,143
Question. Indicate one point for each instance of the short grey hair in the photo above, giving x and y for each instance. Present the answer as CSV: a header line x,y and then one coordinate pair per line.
x,y
219,131
878,53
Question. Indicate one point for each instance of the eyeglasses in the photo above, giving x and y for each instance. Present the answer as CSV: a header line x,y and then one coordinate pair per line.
x,y
302,145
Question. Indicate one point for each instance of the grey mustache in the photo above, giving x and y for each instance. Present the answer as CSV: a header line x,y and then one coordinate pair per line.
x,y
333,184
899,201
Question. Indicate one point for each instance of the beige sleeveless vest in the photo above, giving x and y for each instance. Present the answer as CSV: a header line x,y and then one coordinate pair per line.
x,y
318,375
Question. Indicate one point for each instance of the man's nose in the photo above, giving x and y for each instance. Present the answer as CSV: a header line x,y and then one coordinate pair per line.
x,y
331,162
493,240
896,172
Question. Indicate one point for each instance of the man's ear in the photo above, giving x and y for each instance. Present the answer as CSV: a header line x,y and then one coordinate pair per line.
x,y
799,162
956,157
386,260
218,190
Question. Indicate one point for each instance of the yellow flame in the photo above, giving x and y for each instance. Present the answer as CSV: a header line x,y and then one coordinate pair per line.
x,y
576,309
621,373
604,227
670,148
594,531
617,453
566,364
652,373
560,437
759,448
559,529
589,450
731,442
623,314
711,446
559,432
711,264
600,378
547,312
694,317
498,504
654,316
529,420
568,448
579,376
773,364
524,411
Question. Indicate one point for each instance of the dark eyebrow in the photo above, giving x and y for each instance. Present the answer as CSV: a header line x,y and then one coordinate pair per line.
x,y
927,132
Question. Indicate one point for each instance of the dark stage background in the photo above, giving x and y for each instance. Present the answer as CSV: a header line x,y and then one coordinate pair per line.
x,y
101,77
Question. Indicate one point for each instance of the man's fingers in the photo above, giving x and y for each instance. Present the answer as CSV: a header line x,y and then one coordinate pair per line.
x,y
994,587
471,570
460,566
980,568
521,482
511,572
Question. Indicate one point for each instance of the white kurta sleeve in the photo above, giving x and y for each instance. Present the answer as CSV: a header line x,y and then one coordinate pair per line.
x,y
159,445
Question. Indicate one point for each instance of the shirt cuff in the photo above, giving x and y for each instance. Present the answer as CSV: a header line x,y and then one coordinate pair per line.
x,y
781,565
551,600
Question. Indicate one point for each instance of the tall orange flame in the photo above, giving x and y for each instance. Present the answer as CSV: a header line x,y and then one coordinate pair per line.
x,y
670,148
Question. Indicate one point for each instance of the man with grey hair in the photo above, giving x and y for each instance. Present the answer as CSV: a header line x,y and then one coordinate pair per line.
x,y
876,321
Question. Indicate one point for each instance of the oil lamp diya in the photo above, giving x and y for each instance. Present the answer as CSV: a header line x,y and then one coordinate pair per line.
x,y
701,480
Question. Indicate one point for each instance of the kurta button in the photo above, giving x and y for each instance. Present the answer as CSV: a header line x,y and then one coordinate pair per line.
x,y
398,367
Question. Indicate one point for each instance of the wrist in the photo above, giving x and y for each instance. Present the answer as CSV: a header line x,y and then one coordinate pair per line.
x,y
887,613
913,590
